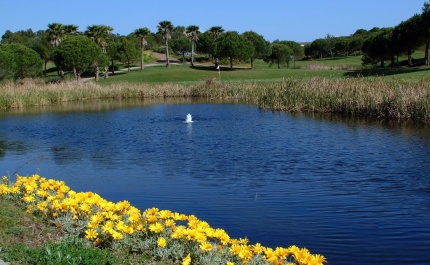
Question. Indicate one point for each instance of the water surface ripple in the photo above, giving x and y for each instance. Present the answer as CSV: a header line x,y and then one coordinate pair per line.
x,y
355,191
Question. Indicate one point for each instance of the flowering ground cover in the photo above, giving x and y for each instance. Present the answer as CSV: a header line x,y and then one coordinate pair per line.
x,y
160,235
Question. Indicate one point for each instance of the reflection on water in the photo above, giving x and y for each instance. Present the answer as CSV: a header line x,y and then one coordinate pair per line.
x,y
355,190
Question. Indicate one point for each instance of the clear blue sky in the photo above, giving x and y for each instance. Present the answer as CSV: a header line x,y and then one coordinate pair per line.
x,y
274,19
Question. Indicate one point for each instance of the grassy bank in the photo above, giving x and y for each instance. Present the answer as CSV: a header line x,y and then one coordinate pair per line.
x,y
376,96
68,227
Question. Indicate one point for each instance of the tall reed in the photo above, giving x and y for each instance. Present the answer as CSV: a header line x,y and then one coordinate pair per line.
x,y
378,96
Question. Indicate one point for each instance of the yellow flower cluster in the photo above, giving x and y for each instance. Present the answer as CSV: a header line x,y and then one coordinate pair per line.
x,y
107,221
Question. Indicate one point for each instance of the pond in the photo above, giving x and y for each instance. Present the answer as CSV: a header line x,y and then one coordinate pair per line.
x,y
353,190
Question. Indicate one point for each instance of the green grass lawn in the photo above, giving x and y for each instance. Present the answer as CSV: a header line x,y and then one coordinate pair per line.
x,y
327,68
185,74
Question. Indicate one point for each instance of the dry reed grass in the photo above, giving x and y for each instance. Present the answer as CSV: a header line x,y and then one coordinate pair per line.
x,y
378,97
318,66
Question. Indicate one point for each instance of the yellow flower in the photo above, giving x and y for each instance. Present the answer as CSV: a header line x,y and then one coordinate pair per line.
x,y
206,246
243,241
151,211
161,242
41,206
133,218
97,218
29,198
156,228
116,235
151,218
91,234
200,237
92,225
169,223
179,232
302,255
318,259
235,249
257,248
187,260
179,217
165,214
229,263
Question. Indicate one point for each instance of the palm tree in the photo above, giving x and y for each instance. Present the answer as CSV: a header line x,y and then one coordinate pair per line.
x,y
192,32
141,33
165,28
99,34
216,31
70,30
56,33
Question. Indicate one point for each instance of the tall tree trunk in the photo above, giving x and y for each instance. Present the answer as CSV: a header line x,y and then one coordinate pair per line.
x,y
105,72
96,73
252,63
78,75
382,63
231,63
113,67
192,53
410,57
141,58
427,53
167,53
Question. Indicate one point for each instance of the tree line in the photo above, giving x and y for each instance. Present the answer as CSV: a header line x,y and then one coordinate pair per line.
x,y
380,45
24,53
97,47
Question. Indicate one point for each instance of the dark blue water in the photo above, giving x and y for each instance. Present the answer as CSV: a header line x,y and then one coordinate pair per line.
x,y
355,191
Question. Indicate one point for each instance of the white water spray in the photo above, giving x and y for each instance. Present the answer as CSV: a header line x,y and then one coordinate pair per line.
x,y
189,118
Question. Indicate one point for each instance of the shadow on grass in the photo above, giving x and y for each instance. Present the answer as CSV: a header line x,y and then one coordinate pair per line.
x,y
386,71
222,68
335,58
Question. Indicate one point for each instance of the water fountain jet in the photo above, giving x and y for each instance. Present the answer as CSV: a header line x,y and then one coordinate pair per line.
x,y
189,118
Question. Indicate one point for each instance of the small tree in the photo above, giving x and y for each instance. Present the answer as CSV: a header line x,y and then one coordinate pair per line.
x,y
77,53
43,47
379,47
318,46
181,46
27,62
342,45
128,52
298,50
231,45
261,46
281,55
330,42
113,51
216,31
101,60
7,65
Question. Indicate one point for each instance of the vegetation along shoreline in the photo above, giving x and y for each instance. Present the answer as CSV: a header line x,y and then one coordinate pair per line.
x,y
379,97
